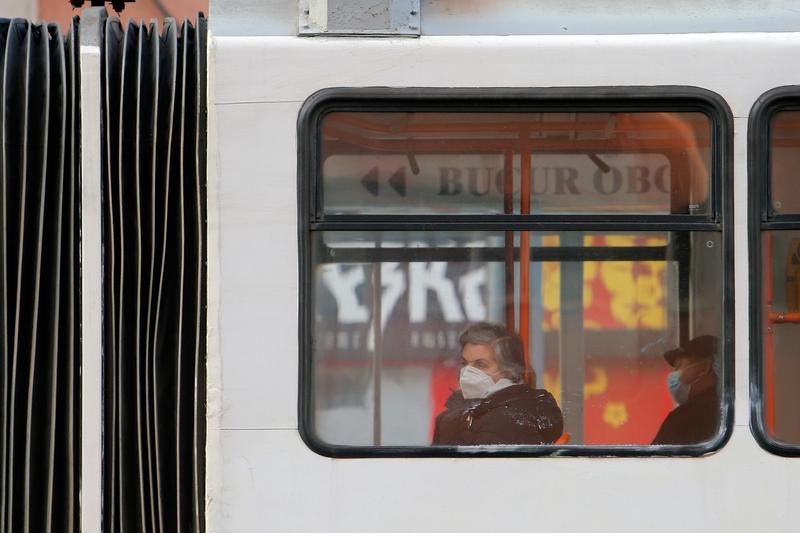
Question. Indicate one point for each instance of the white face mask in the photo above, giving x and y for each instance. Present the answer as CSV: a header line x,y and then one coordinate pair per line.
x,y
475,383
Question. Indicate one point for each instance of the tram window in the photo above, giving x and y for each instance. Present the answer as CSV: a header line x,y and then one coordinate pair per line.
x,y
589,239
776,254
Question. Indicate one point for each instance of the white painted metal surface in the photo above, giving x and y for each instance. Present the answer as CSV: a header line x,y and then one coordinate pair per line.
x,y
91,274
543,17
575,17
253,17
213,362
263,477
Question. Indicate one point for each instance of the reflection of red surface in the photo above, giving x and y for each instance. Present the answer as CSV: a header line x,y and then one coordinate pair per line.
x,y
444,380
625,401
633,406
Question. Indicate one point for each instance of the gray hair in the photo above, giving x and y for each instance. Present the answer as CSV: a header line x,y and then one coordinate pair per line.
x,y
506,346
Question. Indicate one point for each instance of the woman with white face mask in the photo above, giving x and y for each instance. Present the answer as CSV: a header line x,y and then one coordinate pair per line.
x,y
693,387
493,405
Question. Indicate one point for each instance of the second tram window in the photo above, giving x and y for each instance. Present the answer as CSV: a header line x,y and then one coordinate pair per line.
x,y
776,257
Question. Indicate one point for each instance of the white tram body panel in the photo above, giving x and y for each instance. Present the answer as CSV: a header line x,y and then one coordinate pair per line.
x,y
261,476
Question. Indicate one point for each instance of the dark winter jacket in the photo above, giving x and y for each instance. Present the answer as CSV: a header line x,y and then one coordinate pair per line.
x,y
695,421
513,415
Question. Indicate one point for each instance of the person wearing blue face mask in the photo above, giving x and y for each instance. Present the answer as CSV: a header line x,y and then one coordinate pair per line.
x,y
693,387
493,404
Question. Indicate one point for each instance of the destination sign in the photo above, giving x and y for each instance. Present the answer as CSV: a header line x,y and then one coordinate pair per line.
x,y
475,183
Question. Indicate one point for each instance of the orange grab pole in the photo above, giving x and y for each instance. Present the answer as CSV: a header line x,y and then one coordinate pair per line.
x,y
525,258
508,208
769,356
776,317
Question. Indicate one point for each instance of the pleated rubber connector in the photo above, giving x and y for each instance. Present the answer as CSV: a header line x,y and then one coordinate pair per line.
x,y
154,153
39,277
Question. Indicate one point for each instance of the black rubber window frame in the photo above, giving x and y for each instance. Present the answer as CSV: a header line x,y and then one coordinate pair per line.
x,y
761,219
567,99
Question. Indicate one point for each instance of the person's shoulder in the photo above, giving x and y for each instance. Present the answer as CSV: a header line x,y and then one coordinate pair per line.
x,y
521,393
533,414
543,395
456,405
705,405
511,393
699,405
536,394
456,399
709,396
694,421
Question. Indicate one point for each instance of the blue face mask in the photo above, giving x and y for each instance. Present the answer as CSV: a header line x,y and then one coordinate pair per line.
x,y
677,388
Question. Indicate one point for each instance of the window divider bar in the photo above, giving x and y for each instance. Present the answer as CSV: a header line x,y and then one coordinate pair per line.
x,y
784,222
495,218
496,254
488,225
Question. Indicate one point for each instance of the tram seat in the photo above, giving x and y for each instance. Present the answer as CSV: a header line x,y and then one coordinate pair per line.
x,y
563,439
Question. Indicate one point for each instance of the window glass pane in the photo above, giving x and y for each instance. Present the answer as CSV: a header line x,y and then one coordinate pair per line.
x,y
781,366
469,163
603,310
785,160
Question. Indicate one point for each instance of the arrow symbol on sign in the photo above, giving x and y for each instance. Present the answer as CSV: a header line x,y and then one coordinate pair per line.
x,y
397,181
370,181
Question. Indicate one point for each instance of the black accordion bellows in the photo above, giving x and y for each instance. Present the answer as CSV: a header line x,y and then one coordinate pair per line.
x,y
39,277
154,146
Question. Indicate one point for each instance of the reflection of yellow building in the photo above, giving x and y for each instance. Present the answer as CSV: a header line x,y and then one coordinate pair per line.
x,y
596,383
615,414
635,289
